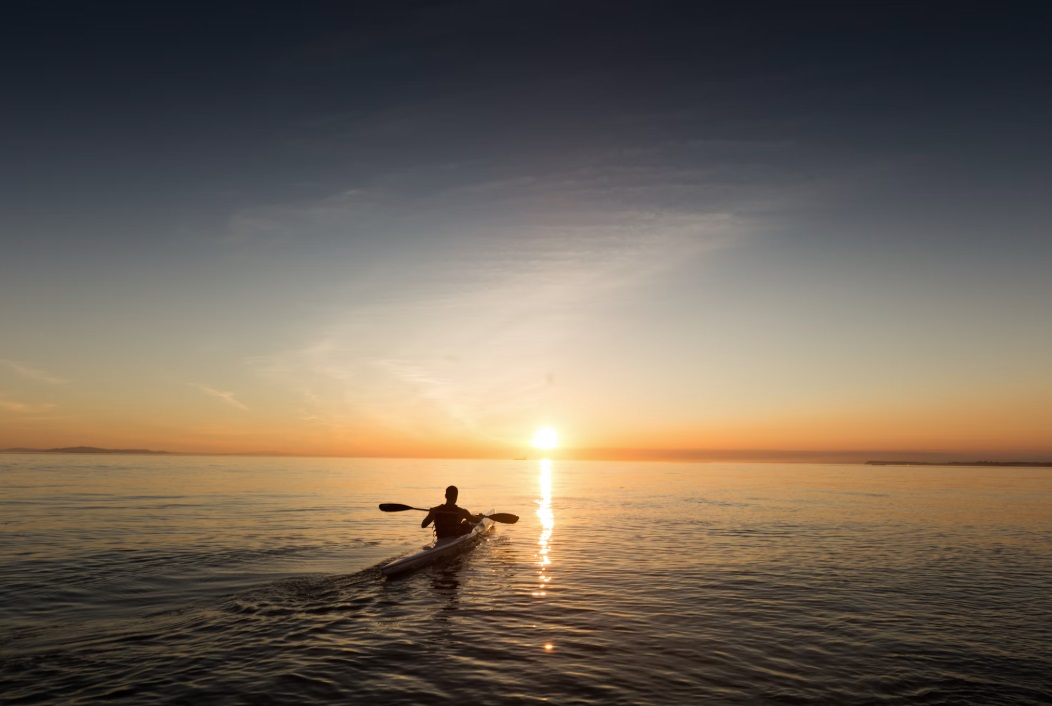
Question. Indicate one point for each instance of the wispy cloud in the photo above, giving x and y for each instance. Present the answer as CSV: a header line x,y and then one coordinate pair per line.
x,y
465,290
410,201
434,389
226,397
30,373
17,407
13,406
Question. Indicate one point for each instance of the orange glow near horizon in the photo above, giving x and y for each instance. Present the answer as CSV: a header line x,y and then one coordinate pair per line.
x,y
1003,428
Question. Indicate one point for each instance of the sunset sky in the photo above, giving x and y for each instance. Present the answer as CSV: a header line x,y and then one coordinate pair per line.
x,y
662,229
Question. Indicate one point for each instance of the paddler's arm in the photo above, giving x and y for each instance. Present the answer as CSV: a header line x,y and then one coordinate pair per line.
x,y
429,519
473,518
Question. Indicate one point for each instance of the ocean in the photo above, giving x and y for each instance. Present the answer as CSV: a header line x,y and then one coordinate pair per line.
x,y
243,580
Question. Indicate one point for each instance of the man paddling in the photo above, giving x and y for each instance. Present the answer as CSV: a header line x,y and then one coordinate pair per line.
x,y
450,520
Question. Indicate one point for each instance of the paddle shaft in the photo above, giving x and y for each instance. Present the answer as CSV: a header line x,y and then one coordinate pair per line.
x,y
505,517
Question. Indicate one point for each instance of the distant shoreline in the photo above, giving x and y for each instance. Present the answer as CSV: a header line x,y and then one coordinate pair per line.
x,y
86,450
995,464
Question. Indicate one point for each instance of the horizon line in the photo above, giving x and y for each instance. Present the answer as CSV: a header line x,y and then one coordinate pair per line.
x,y
610,454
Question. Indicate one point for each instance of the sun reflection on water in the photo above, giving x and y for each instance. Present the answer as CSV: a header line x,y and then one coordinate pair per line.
x,y
547,518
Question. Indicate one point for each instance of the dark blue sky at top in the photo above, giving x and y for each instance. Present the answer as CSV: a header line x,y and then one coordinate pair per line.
x,y
132,133
183,105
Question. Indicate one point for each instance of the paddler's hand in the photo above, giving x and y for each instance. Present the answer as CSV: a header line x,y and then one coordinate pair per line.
x,y
429,519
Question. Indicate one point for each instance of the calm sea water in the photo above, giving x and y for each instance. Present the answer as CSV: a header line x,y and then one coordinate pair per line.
x,y
256,581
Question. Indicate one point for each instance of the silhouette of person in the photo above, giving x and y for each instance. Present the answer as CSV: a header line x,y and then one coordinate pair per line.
x,y
450,520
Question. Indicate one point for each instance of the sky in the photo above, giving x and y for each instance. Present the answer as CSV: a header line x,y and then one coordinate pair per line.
x,y
666,230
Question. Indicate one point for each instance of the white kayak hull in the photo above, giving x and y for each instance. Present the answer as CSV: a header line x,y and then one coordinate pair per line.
x,y
441,549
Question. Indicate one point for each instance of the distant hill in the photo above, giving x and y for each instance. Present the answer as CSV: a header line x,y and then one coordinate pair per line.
x,y
83,450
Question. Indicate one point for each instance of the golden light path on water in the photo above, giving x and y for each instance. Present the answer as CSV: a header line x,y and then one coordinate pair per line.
x,y
547,518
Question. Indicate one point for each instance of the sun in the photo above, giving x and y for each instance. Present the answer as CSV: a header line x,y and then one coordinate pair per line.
x,y
546,438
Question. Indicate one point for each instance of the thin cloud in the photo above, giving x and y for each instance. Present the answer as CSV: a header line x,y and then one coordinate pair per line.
x,y
227,397
13,406
502,294
17,407
421,203
431,388
507,266
30,373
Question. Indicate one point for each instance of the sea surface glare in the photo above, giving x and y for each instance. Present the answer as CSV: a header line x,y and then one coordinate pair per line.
x,y
207,580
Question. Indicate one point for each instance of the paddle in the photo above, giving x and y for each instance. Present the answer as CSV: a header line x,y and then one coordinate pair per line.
x,y
505,517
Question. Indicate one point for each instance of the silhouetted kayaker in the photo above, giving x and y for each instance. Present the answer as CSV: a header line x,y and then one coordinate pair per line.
x,y
450,520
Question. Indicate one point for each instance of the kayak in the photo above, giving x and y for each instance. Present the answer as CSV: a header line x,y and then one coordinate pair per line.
x,y
440,549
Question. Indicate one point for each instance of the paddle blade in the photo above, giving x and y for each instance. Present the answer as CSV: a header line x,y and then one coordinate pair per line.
x,y
394,507
505,517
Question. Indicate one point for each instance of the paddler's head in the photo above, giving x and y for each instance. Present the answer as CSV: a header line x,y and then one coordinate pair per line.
x,y
451,494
